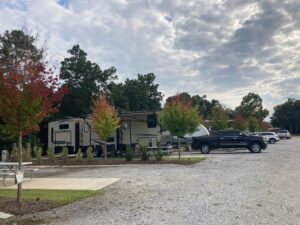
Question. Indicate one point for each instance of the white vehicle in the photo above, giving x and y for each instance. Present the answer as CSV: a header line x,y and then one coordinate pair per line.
x,y
270,137
284,134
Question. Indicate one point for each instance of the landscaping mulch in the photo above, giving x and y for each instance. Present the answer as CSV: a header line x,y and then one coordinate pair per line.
x,y
11,206
72,162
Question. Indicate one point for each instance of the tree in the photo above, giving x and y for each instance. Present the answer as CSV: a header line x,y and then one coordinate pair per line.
x,y
16,46
219,118
105,120
204,106
28,93
179,118
137,94
240,123
287,116
85,80
253,124
251,105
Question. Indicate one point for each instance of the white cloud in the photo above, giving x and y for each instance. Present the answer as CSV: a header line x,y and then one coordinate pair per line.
x,y
223,49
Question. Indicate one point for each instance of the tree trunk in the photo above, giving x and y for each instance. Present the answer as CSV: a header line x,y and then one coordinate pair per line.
x,y
105,151
179,149
19,193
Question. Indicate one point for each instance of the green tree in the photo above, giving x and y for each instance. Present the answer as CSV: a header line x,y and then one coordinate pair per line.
x,y
137,94
85,80
219,118
287,116
251,105
179,118
253,124
105,120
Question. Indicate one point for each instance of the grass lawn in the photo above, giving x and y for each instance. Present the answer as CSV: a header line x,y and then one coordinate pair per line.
x,y
185,158
61,197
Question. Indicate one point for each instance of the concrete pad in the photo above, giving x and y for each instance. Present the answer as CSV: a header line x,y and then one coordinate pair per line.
x,y
4,215
64,183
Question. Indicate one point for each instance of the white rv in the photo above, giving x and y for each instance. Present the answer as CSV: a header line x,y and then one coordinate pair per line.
x,y
138,128
73,133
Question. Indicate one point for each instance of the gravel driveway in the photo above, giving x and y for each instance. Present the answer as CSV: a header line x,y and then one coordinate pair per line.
x,y
227,188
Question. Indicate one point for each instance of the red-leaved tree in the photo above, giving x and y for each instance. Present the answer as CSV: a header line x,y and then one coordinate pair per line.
x,y
28,93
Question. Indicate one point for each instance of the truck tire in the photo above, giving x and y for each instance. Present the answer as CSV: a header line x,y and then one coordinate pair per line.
x,y
272,141
205,149
255,148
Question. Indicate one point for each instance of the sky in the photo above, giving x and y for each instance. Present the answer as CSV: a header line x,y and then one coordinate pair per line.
x,y
219,48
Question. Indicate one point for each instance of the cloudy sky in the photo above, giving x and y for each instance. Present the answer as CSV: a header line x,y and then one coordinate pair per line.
x,y
221,48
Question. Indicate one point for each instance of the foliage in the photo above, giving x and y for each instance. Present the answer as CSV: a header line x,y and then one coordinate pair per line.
x,y
129,153
219,118
287,116
200,102
64,153
58,196
145,154
240,123
37,153
14,156
85,79
50,153
139,94
179,118
79,154
89,153
158,154
16,46
251,105
27,153
253,124
105,119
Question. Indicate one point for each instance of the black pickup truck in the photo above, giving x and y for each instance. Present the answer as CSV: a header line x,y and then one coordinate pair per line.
x,y
229,139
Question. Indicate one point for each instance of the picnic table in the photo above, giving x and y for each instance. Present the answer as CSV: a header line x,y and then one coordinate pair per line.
x,y
11,168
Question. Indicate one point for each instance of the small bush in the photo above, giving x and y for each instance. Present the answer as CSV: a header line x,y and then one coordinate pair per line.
x,y
145,154
64,153
158,154
129,153
50,153
14,154
38,153
89,153
79,154
27,153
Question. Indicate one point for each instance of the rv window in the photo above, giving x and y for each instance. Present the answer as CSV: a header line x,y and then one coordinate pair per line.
x,y
151,120
85,128
64,126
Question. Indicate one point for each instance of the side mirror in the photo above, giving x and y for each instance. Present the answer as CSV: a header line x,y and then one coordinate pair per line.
x,y
242,135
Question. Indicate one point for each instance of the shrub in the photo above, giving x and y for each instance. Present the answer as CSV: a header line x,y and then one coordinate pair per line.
x,y
89,153
145,154
79,154
38,153
27,153
14,154
64,153
50,153
129,153
158,154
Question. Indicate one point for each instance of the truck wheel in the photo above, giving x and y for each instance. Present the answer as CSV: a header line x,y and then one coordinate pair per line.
x,y
205,149
272,141
255,148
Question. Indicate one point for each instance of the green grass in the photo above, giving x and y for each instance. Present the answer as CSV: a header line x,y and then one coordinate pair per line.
x,y
186,158
61,197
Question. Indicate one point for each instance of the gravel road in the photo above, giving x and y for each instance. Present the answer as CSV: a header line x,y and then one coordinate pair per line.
x,y
239,188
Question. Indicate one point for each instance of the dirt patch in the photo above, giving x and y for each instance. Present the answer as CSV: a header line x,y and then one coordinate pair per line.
x,y
72,162
11,206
